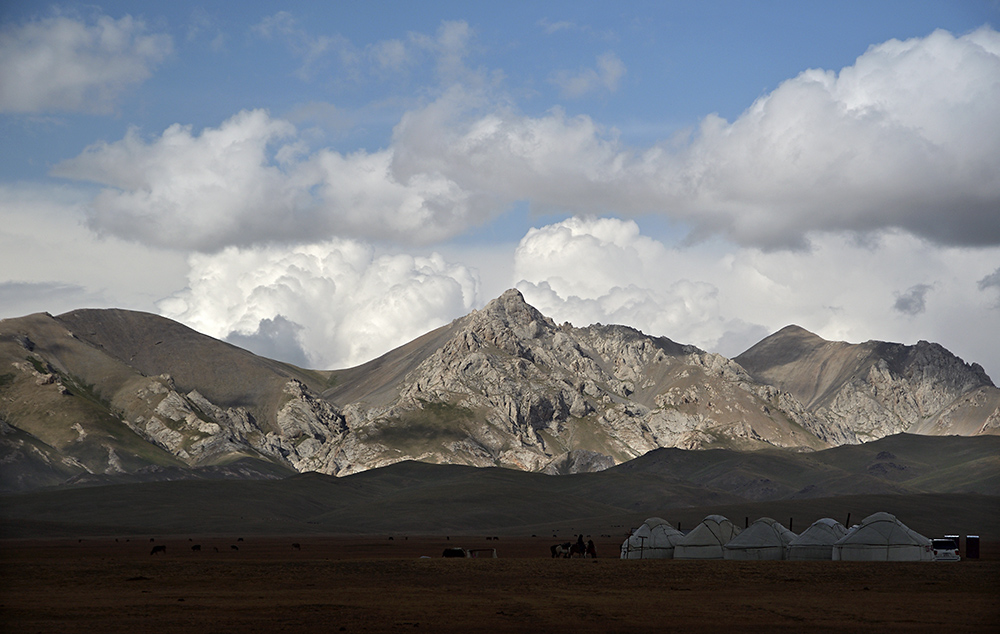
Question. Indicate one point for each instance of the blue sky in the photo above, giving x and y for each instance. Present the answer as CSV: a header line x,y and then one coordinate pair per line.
x,y
324,181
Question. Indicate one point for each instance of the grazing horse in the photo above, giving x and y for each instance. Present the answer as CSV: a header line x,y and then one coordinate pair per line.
x,y
577,549
561,550
158,549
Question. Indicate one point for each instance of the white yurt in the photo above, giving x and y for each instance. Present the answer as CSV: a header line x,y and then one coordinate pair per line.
x,y
882,537
707,539
653,540
764,539
816,542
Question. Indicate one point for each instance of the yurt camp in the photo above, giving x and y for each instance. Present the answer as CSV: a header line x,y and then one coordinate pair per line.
x,y
707,539
654,539
764,539
882,537
816,542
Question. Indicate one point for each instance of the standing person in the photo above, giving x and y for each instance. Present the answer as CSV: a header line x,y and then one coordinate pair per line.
x,y
591,551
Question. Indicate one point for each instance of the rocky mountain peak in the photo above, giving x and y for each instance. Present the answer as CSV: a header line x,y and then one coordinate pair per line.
x,y
927,357
510,309
876,388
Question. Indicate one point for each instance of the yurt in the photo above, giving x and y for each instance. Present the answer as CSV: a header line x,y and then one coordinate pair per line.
x,y
707,539
653,540
816,542
882,537
764,539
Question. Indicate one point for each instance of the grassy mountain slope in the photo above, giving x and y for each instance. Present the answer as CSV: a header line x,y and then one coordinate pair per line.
x,y
423,498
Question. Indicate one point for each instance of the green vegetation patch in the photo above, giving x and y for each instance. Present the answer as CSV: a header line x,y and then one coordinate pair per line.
x,y
87,391
424,429
40,367
7,379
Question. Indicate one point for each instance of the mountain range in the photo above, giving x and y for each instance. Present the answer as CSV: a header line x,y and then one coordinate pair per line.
x,y
99,396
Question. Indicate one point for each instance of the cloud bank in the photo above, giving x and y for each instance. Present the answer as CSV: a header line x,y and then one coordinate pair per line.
x,y
725,299
332,304
70,64
906,138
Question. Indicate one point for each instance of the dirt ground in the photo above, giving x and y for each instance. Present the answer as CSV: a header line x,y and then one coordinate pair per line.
x,y
377,584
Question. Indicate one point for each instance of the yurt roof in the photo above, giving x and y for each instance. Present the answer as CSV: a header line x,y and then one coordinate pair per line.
x,y
655,527
822,532
883,528
763,532
714,528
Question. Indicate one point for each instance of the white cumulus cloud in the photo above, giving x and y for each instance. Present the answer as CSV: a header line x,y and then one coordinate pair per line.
x,y
904,139
333,304
251,181
68,63
590,270
725,298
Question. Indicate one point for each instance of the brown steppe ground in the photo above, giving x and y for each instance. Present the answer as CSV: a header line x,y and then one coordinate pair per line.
x,y
377,584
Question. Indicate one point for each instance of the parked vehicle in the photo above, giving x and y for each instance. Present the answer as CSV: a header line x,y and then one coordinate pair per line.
x,y
945,550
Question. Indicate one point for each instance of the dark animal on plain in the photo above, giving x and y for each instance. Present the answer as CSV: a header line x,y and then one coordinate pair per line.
x,y
158,549
196,548
591,549
560,550
577,549
235,547
240,539
297,546
152,539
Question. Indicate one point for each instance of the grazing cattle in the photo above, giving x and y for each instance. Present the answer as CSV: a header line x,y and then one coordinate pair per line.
x,y
196,548
297,546
235,547
561,550
158,549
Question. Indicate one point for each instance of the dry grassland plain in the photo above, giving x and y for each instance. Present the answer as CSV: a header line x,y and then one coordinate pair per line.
x,y
377,584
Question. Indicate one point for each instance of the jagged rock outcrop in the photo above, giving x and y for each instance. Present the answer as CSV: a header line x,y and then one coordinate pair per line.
x,y
876,389
543,390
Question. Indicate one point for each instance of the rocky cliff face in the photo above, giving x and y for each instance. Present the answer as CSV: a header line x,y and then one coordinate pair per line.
x,y
512,388
106,392
875,388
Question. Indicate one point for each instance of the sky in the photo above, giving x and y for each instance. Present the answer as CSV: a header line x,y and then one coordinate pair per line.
x,y
323,182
